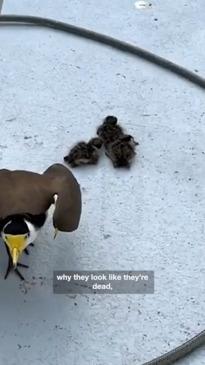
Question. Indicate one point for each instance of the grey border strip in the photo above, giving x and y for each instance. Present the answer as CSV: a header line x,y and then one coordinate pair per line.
x,y
1,4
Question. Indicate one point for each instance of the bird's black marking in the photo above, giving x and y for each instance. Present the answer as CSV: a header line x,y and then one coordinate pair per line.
x,y
15,225
18,225
37,220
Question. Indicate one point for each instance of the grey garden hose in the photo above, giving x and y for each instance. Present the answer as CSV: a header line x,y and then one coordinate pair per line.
x,y
109,41
179,352
195,342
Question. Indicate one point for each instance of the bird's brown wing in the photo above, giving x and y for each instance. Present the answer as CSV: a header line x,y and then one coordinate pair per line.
x,y
67,211
23,192
28,192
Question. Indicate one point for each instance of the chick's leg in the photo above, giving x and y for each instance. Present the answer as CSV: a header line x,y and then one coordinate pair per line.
x,y
27,250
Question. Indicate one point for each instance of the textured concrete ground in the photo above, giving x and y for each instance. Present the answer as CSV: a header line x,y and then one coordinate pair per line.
x,y
56,89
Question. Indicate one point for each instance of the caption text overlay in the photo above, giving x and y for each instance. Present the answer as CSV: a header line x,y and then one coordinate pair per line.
x,y
103,282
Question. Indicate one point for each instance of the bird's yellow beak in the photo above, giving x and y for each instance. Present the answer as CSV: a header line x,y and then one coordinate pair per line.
x,y
16,245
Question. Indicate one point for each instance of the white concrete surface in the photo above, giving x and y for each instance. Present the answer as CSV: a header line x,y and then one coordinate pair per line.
x,y
56,89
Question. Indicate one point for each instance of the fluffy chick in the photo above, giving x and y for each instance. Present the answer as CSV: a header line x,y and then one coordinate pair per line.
x,y
109,130
84,153
121,151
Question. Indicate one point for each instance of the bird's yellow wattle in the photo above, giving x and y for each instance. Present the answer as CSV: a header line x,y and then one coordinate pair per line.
x,y
16,245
